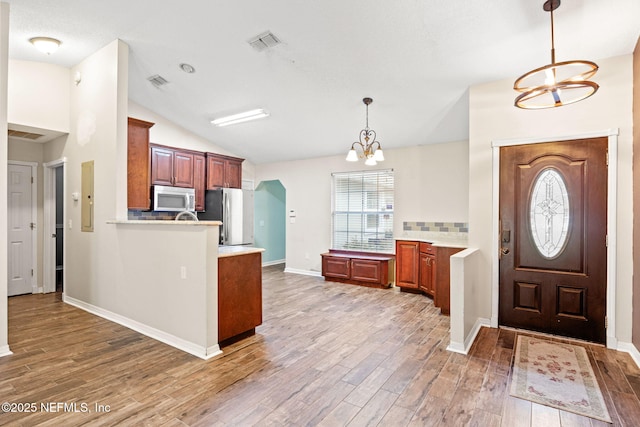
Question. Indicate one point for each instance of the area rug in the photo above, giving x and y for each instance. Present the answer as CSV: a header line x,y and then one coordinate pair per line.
x,y
557,375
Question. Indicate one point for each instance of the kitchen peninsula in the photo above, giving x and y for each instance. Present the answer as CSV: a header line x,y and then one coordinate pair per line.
x,y
166,282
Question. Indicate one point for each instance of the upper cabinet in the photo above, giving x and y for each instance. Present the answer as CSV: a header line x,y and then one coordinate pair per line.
x,y
171,166
223,171
199,177
138,195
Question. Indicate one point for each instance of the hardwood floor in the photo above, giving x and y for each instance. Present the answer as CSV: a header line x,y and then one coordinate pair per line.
x,y
327,354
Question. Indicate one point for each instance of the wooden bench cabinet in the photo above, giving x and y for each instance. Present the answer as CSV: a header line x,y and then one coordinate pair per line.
x,y
358,268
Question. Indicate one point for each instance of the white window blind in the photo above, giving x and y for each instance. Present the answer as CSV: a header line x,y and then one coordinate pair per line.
x,y
363,211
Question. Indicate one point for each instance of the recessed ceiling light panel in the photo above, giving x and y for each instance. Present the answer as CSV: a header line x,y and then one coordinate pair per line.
x,y
240,117
187,68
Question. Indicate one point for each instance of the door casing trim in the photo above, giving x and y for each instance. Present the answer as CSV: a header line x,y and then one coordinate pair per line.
x,y
49,214
612,176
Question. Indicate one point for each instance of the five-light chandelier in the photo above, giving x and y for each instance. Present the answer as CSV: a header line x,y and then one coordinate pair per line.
x,y
558,83
371,149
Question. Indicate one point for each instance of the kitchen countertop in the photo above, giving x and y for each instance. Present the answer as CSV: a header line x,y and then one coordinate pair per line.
x,y
162,222
225,251
439,241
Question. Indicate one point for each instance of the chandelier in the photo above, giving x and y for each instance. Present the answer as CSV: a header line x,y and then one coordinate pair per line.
x,y
558,83
371,149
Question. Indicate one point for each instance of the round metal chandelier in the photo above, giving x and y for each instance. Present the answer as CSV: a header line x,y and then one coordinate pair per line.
x,y
371,149
558,83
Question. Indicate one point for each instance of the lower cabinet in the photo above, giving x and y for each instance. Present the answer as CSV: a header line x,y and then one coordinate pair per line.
x,y
358,268
422,267
239,296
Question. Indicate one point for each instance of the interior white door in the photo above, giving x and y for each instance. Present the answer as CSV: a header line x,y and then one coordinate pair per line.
x,y
20,221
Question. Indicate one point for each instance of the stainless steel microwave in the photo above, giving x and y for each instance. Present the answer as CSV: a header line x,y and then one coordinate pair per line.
x,y
173,199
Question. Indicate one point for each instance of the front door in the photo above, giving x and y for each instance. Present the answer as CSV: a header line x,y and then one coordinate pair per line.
x,y
553,230
19,218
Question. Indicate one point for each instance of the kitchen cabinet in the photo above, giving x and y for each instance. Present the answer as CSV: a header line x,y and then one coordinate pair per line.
x,y
223,171
138,194
239,296
199,177
423,267
173,167
359,268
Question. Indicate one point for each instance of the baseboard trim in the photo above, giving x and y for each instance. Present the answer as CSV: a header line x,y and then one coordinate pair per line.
x,y
5,351
156,334
303,272
276,262
628,347
463,348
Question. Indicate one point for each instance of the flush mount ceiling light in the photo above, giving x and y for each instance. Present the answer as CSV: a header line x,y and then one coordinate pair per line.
x,y
371,149
187,68
46,45
558,83
240,117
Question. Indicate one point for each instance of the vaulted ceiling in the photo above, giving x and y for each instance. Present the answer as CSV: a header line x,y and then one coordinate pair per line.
x,y
416,59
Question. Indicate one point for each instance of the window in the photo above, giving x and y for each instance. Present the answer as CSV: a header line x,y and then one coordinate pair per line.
x,y
362,218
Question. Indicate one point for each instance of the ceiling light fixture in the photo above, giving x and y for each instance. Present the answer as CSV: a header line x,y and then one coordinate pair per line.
x,y
558,83
240,117
46,45
371,149
187,68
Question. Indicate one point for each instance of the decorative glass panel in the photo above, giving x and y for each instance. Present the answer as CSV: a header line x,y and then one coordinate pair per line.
x,y
549,213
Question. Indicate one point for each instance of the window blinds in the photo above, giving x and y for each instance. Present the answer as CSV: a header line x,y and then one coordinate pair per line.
x,y
362,218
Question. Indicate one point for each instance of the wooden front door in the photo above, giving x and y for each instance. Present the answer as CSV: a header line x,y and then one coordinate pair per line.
x,y
553,222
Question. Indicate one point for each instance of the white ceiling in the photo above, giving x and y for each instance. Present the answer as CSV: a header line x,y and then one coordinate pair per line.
x,y
416,59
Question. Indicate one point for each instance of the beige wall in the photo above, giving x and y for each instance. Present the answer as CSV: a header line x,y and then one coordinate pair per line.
x,y
39,95
431,184
493,117
4,67
167,133
636,194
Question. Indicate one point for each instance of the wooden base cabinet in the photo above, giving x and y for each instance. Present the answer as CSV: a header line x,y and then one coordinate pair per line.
x,y
358,268
422,267
239,296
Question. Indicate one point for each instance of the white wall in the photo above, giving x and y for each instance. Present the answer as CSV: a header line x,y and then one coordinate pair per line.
x,y
493,117
4,67
431,184
168,133
39,95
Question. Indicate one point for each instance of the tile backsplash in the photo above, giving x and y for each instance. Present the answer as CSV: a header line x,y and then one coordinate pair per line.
x,y
438,231
150,215
451,227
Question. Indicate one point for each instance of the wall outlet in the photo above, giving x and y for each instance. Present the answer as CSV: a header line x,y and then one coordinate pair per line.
x,y
70,224
183,272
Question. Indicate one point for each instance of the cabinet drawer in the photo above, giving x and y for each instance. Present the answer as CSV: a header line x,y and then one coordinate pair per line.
x,y
427,248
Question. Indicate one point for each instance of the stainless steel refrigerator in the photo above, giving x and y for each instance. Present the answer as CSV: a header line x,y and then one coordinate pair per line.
x,y
228,205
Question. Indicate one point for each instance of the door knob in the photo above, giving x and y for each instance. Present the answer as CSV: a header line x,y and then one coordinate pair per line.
x,y
505,251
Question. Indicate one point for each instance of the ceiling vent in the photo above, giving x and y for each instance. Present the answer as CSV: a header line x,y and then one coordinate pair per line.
x,y
24,135
264,41
157,80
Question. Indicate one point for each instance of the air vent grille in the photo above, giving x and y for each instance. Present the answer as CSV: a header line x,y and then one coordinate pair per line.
x,y
24,135
157,80
264,41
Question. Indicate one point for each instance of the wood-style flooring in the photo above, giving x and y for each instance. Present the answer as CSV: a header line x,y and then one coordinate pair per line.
x,y
327,354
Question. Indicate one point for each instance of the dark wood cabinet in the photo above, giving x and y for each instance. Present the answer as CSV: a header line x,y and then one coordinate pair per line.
x,y
138,194
239,296
425,268
170,166
359,268
223,171
407,260
199,176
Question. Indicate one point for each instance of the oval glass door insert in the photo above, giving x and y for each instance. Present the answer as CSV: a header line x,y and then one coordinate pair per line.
x,y
549,213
